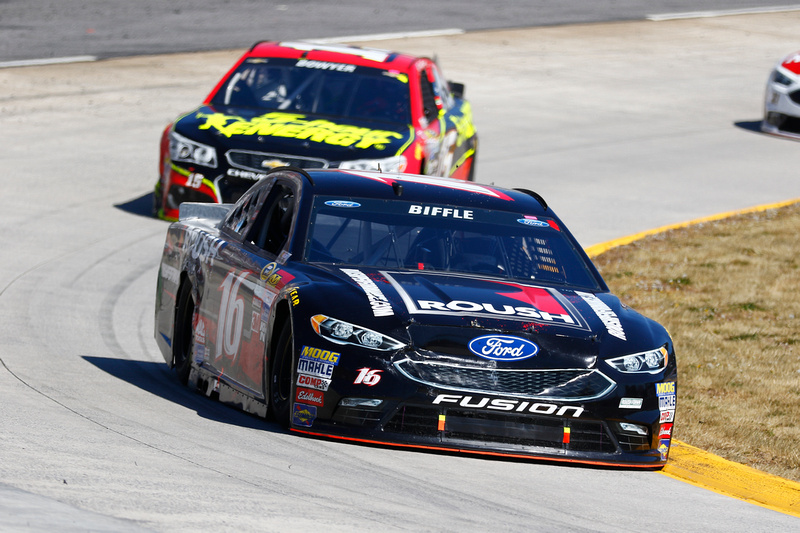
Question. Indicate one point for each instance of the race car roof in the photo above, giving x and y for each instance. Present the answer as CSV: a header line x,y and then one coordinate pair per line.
x,y
411,187
352,55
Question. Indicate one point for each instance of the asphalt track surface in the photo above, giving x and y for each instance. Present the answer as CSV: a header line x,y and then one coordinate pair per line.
x,y
35,29
622,127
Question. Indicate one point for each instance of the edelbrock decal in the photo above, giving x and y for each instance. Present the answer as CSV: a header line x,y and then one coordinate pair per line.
x,y
605,314
503,348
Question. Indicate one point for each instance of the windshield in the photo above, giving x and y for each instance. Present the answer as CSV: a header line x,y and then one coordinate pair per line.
x,y
319,87
440,238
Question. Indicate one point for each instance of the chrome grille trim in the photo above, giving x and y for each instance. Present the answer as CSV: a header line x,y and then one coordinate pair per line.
x,y
250,160
568,384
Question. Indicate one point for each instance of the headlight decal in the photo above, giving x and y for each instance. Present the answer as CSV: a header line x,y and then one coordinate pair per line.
x,y
341,332
650,362
189,151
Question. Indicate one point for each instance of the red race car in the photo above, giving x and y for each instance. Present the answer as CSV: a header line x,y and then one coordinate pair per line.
x,y
314,106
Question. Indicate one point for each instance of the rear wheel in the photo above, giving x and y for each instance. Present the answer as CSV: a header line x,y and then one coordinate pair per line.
x,y
183,343
281,377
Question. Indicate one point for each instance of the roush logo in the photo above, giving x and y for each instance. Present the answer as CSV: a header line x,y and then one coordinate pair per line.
x,y
448,295
500,404
503,348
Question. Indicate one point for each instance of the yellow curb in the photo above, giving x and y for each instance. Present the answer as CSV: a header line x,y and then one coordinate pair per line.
x,y
693,465
597,249
704,469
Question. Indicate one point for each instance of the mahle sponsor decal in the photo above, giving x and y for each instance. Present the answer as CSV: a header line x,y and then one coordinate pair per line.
x,y
296,126
502,404
503,348
315,368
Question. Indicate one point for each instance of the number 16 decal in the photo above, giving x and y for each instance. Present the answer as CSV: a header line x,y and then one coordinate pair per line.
x,y
231,316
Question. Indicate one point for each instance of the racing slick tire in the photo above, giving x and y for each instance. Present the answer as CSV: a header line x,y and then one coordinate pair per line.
x,y
183,344
282,377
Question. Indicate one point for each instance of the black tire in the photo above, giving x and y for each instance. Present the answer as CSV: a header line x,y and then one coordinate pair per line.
x,y
282,377
183,341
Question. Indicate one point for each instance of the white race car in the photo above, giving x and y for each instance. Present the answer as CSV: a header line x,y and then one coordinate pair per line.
x,y
782,98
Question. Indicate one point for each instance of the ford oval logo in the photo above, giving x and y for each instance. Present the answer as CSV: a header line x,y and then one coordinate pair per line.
x,y
502,348
342,203
531,222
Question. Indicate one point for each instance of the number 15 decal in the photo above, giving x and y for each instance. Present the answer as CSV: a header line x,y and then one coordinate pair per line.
x,y
231,316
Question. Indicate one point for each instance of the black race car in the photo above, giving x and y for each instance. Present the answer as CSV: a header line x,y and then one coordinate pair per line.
x,y
414,311
315,106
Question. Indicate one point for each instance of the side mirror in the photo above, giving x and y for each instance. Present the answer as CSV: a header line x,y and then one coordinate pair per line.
x,y
456,89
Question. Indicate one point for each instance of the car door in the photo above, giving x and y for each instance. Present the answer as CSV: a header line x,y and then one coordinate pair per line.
x,y
242,287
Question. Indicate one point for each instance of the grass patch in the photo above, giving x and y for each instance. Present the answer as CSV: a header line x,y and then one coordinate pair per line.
x,y
728,293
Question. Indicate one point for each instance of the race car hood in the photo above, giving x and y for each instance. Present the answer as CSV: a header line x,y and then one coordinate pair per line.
x,y
280,132
443,313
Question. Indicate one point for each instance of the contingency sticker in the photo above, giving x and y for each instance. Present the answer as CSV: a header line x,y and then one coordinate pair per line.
x,y
666,400
303,415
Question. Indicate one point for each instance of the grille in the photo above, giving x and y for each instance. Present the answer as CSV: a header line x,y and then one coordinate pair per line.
x,y
570,384
412,420
632,443
795,96
522,431
263,162
355,416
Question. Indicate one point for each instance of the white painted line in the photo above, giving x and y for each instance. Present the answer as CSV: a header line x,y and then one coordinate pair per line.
x,y
387,36
46,61
723,13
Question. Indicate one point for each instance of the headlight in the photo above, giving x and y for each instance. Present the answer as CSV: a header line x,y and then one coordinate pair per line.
x,y
650,362
189,151
342,332
781,78
397,163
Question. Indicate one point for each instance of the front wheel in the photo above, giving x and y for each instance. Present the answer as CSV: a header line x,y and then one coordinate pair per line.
x,y
281,377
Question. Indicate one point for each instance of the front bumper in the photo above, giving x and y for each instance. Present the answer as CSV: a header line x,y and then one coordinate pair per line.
x,y
782,110
568,415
